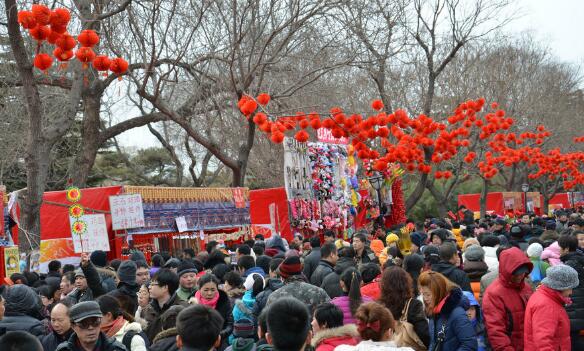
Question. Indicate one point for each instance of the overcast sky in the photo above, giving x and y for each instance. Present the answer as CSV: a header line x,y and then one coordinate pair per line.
x,y
557,24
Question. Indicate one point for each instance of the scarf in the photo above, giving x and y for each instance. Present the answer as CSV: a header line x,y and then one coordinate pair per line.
x,y
203,301
113,327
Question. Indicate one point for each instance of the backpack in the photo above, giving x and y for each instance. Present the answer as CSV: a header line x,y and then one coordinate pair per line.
x,y
537,273
127,339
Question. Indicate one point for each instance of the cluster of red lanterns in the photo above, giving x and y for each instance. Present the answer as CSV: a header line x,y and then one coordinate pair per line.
x,y
421,144
44,24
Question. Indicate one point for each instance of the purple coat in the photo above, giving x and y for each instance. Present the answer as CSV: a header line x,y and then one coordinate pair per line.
x,y
342,302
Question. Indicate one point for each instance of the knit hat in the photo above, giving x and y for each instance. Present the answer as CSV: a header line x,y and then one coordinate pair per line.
x,y
137,256
550,225
98,258
469,242
83,310
79,273
474,253
413,263
172,263
561,277
127,272
271,252
250,280
276,242
290,266
291,253
534,250
21,298
377,246
431,252
186,266
243,328
391,238
418,238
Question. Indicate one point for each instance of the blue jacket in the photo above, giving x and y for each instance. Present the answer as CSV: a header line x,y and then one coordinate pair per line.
x,y
258,270
459,333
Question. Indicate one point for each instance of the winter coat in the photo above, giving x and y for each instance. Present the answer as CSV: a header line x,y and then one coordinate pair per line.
x,y
272,285
165,341
343,303
137,343
22,322
367,256
311,262
51,341
224,308
487,280
475,270
328,339
323,269
244,308
332,282
185,294
153,312
368,345
453,273
491,258
576,309
106,344
504,303
107,277
452,321
552,254
252,270
547,326
297,287
127,291
372,290
95,285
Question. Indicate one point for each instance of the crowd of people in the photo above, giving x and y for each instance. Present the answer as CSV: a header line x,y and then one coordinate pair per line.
x,y
489,284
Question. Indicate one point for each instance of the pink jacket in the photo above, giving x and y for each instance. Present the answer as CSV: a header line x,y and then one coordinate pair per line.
x,y
342,302
552,254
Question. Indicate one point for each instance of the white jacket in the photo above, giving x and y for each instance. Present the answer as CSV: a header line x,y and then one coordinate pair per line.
x,y
137,343
491,258
367,345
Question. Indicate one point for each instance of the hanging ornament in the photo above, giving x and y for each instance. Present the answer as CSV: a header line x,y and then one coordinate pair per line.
x,y
79,227
42,14
43,62
40,33
102,63
118,66
26,19
263,99
73,194
66,42
76,211
88,38
85,55
60,17
52,39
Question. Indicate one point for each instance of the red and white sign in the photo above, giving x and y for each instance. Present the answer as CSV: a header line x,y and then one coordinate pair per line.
x,y
95,236
326,136
127,211
238,198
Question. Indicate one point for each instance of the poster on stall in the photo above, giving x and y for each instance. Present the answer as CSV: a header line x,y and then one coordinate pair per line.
x,y
238,197
127,211
94,236
181,224
11,260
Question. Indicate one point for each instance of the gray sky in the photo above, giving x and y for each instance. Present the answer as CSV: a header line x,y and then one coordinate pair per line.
x,y
557,24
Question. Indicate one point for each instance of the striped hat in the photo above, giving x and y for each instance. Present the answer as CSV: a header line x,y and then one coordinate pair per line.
x,y
290,266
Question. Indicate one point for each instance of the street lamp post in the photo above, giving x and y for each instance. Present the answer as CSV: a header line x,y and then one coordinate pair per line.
x,y
525,189
376,181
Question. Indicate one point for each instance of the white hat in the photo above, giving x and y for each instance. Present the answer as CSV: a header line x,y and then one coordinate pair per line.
x,y
248,284
534,250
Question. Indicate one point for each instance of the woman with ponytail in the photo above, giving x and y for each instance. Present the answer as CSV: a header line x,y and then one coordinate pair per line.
x,y
351,282
118,324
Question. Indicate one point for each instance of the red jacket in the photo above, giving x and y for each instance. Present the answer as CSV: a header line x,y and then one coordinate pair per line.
x,y
372,290
547,327
329,339
504,303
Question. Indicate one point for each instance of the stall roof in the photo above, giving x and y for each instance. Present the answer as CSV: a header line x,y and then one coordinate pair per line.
x,y
151,194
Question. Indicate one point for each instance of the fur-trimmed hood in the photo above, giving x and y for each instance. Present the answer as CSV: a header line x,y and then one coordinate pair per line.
x,y
453,300
349,330
168,333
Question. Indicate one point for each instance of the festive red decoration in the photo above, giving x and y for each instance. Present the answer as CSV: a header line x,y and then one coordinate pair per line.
x,y
88,38
101,63
26,19
260,118
40,33
377,105
119,66
42,14
63,55
59,29
43,61
66,42
60,17
301,136
263,99
277,137
398,208
85,55
52,39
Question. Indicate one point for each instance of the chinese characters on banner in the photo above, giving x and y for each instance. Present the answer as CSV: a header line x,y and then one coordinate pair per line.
x,y
181,224
127,211
238,198
326,136
11,260
95,236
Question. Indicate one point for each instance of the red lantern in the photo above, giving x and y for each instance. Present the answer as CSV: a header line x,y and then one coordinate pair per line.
x,y
88,38
52,39
43,62
26,19
101,63
85,55
377,105
302,136
260,118
119,66
40,33
277,137
66,42
315,123
59,29
42,14
60,17
263,99
63,55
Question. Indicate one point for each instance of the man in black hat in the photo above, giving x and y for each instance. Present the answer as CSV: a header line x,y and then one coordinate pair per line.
x,y
500,227
127,290
86,318
187,279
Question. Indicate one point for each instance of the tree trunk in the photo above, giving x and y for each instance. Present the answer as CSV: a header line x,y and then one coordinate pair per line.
x,y
483,199
90,137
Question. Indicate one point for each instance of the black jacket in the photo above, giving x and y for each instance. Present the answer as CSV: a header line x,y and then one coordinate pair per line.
x,y
332,282
153,312
104,344
576,309
323,269
272,285
22,322
165,341
224,308
311,262
367,256
455,274
51,341
129,292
